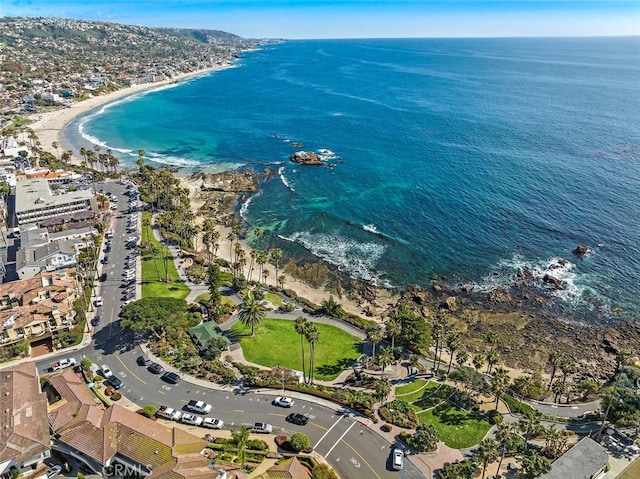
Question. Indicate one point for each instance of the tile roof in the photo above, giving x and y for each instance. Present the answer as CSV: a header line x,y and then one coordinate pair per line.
x,y
289,469
24,431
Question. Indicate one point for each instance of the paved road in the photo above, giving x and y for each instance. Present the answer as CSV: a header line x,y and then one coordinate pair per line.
x,y
355,451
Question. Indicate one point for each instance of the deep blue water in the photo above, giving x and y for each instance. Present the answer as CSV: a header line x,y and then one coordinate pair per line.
x,y
468,158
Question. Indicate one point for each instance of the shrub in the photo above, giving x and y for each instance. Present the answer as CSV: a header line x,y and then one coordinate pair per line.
x,y
148,411
299,441
386,427
116,396
85,364
322,471
257,445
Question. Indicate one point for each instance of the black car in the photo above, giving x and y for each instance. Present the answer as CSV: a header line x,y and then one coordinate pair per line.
x,y
297,418
155,368
107,249
115,382
172,378
95,321
143,360
103,277
105,260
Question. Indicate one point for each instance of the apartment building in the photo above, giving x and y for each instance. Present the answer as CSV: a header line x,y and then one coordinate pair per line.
x,y
38,307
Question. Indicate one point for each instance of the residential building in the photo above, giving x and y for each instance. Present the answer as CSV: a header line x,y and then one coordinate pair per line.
x,y
24,430
58,254
35,202
38,307
115,437
287,469
586,460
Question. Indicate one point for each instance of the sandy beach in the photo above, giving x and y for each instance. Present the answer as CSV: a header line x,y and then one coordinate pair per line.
x,y
48,127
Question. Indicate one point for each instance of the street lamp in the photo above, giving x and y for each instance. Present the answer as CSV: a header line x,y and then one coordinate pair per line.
x,y
282,373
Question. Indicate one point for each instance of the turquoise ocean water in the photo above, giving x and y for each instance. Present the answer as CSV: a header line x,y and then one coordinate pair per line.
x,y
465,158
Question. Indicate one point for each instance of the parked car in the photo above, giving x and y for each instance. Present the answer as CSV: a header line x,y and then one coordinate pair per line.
x,y
398,459
95,321
261,427
283,401
105,260
98,301
63,364
169,413
106,371
115,382
142,360
200,407
172,378
155,368
192,419
297,418
213,423
103,277
54,471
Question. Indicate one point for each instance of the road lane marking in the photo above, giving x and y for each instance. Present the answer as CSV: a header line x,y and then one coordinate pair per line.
x,y
328,431
162,392
363,459
338,441
238,410
131,372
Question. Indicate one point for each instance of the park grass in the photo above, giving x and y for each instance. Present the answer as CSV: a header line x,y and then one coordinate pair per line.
x,y
276,343
432,397
632,471
413,386
273,299
417,395
456,428
152,287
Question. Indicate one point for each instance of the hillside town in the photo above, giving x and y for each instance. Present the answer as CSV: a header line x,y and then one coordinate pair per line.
x,y
127,322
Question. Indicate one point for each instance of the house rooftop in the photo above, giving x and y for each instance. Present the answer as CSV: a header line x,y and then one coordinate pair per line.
x,y
583,461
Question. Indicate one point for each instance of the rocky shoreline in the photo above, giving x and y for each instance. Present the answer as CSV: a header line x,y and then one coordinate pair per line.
x,y
522,314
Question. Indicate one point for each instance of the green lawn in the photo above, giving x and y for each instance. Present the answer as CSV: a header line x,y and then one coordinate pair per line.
x,y
432,397
457,428
411,387
273,299
204,297
276,343
429,389
151,285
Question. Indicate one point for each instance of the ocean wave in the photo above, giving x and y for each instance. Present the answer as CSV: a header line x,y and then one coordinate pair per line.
x,y
576,293
371,228
325,154
103,144
170,160
247,202
358,259
284,179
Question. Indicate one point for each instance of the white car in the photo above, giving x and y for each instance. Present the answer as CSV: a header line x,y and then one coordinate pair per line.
x,y
106,371
398,459
283,401
200,407
169,413
213,423
54,471
192,419
98,301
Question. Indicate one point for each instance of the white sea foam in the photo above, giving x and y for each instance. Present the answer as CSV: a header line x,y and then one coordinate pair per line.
x,y
245,205
371,228
284,179
325,154
171,160
353,257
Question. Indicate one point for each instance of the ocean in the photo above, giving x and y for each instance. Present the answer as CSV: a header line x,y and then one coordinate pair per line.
x,y
468,158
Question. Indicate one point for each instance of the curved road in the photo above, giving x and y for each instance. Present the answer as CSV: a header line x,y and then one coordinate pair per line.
x,y
354,450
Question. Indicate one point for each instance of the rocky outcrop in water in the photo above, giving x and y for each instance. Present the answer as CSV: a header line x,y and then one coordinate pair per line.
x,y
581,250
555,282
306,158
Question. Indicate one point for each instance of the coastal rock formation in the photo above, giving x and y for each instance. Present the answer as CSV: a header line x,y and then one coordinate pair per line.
x,y
306,158
558,284
581,250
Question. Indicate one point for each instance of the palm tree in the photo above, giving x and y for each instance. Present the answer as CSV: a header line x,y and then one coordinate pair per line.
x,y
232,238
508,440
282,279
393,329
55,147
486,452
262,260
254,255
385,358
139,161
492,359
558,388
312,335
462,357
276,256
530,425
374,336
555,358
251,313
555,441
478,361
499,384
453,343
301,325
258,234
240,439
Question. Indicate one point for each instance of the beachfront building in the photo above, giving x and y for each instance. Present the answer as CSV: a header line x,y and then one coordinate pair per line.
x,y
37,308
35,202
586,460
24,430
58,254
117,438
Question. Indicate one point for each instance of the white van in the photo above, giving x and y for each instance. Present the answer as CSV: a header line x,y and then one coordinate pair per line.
x,y
109,234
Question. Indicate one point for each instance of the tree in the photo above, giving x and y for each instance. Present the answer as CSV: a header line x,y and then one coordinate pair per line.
x,y
276,257
313,335
555,442
382,388
499,384
478,361
374,336
437,334
458,470
534,464
385,358
86,363
492,359
215,346
461,358
149,410
393,328
251,313
414,329
530,425
152,314
555,358
424,439
214,281
299,441
330,307
508,441
239,438
486,452
558,388
453,343
301,326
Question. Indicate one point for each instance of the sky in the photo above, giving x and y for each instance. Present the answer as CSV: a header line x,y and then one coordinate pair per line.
x,y
306,19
